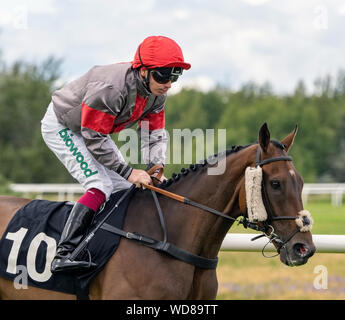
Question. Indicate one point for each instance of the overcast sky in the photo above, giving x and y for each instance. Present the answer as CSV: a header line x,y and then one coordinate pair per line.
x,y
229,42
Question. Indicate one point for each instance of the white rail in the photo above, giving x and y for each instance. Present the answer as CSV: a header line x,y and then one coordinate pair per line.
x,y
336,190
64,191
324,243
68,191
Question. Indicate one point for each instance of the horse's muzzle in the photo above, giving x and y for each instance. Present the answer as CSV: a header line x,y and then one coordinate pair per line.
x,y
296,254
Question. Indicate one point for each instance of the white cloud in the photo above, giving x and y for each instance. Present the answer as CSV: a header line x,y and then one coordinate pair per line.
x,y
231,42
42,6
256,2
202,83
180,14
341,9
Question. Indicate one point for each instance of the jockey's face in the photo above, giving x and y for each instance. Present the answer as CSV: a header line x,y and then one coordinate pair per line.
x,y
156,88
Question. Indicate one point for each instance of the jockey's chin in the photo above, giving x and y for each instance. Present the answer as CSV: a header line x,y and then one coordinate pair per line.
x,y
159,92
159,89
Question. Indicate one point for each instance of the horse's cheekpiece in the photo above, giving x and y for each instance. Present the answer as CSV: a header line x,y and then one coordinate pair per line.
x,y
29,244
255,206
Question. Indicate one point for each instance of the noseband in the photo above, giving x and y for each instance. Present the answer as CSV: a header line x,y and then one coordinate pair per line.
x,y
266,226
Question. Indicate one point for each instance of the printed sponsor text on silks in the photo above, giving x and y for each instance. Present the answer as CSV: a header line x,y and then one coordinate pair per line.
x,y
74,150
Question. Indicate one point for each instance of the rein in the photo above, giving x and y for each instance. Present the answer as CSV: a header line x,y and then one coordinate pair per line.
x,y
187,201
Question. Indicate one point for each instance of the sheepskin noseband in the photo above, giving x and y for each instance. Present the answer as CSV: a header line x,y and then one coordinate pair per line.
x,y
304,221
255,206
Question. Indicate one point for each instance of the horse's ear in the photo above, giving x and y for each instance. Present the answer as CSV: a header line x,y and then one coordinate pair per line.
x,y
288,140
264,137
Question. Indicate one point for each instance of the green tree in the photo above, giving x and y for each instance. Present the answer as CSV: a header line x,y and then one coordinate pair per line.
x,y
25,92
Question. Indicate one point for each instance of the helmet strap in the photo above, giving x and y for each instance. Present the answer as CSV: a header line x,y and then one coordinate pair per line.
x,y
146,80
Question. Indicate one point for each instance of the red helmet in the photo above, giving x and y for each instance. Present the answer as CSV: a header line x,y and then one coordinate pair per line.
x,y
157,52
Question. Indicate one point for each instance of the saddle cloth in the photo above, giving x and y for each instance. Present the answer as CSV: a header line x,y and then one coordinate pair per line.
x,y
29,244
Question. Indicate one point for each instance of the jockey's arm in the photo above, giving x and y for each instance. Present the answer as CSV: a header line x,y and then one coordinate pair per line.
x,y
153,139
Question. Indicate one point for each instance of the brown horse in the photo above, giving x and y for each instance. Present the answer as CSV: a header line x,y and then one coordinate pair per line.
x,y
139,272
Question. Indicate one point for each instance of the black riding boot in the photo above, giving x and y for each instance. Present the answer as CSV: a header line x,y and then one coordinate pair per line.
x,y
74,230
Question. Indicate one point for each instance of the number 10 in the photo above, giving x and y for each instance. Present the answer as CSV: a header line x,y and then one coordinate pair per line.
x,y
17,238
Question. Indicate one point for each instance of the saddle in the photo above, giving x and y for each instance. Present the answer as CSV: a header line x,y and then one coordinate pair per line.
x,y
29,244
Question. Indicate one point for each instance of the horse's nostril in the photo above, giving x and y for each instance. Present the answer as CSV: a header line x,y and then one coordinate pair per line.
x,y
301,250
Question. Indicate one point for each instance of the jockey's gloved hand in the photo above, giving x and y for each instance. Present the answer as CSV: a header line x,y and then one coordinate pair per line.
x,y
138,177
157,174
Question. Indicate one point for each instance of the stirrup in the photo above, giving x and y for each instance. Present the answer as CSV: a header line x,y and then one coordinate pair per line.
x,y
65,264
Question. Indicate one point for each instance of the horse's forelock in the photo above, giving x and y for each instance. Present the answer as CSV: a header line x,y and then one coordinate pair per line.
x,y
278,144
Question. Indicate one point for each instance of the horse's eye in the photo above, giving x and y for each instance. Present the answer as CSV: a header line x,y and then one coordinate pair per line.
x,y
275,184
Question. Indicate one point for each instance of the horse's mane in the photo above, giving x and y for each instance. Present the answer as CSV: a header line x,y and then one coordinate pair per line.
x,y
202,164
209,162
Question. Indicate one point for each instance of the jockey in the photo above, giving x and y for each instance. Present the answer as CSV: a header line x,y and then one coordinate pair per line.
x,y
106,100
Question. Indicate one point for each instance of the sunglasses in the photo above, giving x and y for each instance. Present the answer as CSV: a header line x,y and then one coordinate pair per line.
x,y
164,75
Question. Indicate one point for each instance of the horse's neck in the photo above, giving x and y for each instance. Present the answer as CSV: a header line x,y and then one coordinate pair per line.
x,y
220,192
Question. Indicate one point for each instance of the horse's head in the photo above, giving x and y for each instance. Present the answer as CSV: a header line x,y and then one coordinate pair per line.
x,y
285,221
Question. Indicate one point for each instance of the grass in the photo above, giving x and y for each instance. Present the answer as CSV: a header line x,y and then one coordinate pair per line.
x,y
328,219
248,275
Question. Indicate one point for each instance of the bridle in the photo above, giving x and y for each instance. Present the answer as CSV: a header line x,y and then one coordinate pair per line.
x,y
266,226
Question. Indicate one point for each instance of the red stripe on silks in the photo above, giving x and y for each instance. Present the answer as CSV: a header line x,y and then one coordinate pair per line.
x,y
140,104
156,120
96,120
